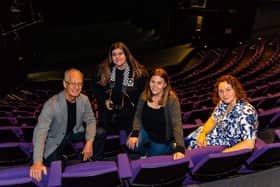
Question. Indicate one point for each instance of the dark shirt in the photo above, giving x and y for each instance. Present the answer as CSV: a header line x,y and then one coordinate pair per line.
x,y
154,123
173,124
116,93
71,122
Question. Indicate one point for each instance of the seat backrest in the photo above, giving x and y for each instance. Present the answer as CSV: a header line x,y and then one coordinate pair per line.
x,y
218,165
158,170
17,113
27,133
268,102
195,155
189,128
275,121
19,177
265,157
266,118
27,120
8,121
10,134
201,114
5,113
87,174
14,154
277,135
114,144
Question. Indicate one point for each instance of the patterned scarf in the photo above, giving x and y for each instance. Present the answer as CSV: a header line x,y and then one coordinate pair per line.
x,y
127,80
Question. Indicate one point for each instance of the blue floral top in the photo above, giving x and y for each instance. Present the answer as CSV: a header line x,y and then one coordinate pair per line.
x,y
241,123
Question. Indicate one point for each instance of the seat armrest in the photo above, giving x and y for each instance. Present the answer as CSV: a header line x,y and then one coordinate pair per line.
x,y
277,134
123,137
195,155
55,174
124,166
259,143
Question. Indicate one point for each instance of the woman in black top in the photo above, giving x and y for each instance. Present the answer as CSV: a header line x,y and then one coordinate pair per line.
x,y
157,126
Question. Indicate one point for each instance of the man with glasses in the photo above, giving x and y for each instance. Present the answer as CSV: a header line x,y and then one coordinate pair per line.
x,y
65,117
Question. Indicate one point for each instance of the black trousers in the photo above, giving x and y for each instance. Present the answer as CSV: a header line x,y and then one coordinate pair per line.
x,y
114,121
59,153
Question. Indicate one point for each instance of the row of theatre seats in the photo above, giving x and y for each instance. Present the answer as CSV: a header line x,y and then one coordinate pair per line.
x,y
20,109
256,66
200,165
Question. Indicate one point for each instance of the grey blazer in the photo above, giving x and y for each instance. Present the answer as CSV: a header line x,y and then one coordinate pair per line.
x,y
52,124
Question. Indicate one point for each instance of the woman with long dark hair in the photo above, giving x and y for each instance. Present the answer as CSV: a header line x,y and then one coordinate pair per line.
x,y
117,85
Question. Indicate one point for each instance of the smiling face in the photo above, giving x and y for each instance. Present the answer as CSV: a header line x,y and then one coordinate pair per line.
x,y
119,58
73,84
227,93
157,85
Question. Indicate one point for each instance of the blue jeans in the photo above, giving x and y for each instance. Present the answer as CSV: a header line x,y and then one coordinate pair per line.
x,y
148,147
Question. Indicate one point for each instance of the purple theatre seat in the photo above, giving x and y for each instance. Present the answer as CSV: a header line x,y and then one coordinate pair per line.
x,y
10,134
152,171
87,174
15,153
269,118
8,121
27,108
217,165
7,107
197,116
114,144
6,114
259,143
268,102
275,121
27,133
256,100
27,120
123,140
17,113
203,103
188,106
277,135
19,177
195,155
264,157
188,128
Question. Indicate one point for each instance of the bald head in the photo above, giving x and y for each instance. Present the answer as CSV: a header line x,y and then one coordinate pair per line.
x,y
72,72
73,83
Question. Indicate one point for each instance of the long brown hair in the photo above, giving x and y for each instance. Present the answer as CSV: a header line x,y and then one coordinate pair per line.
x,y
236,85
147,93
104,70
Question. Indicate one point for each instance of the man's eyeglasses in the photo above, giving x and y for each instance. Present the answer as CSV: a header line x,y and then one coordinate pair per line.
x,y
74,83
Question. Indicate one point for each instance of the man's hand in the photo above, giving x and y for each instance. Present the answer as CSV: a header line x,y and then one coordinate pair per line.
x,y
36,170
87,151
